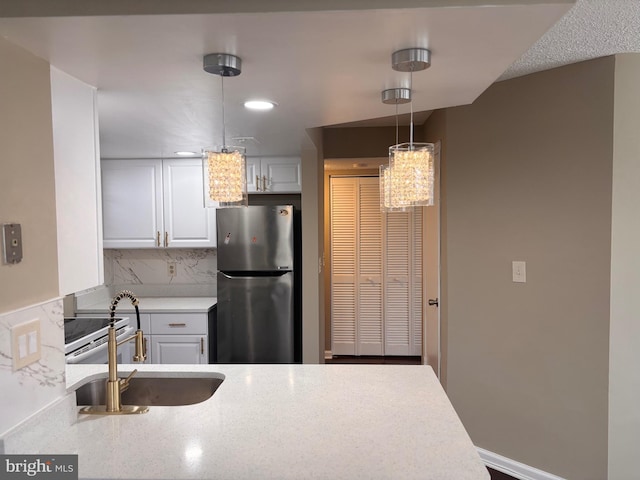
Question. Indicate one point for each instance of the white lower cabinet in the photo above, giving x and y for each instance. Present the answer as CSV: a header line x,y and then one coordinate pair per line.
x,y
189,349
175,337
178,338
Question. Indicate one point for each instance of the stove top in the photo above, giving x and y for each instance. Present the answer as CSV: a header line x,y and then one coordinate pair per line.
x,y
82,330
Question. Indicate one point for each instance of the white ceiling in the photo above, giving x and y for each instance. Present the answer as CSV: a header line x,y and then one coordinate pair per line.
x,y
321,67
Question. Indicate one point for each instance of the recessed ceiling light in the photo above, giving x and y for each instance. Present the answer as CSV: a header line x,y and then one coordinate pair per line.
x,y
186,154
259,104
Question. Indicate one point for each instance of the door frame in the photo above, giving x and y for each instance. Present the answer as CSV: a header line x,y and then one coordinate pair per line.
x,y
431,331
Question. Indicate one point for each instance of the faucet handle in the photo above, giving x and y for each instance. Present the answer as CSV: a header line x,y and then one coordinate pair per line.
x,y
141,347
124,383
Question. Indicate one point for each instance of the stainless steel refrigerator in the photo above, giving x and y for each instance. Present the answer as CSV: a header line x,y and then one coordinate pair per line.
x,y
256,312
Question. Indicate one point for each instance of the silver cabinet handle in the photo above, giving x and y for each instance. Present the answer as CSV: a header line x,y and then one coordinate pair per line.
x,y
257,183
166,239
158,239
173,325
201,346
264,183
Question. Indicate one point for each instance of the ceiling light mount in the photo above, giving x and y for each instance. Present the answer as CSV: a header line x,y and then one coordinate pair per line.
x,y
223,64
411,60
396,96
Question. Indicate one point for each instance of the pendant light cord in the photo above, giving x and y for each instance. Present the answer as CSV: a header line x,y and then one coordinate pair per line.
x,y
224,142
397,122
411,105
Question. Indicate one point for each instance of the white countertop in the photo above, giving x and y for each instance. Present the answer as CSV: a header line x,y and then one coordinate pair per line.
x,y
154,305
280,422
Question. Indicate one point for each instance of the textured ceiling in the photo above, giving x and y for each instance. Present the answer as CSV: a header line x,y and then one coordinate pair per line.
x,y
591,29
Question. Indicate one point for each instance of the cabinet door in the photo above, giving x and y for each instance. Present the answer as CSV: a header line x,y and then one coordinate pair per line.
x,y
77,179
181,349
254,182
132,203
187,222
281,174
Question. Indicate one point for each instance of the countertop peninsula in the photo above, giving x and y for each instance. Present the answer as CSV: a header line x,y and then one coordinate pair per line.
x,y
279,422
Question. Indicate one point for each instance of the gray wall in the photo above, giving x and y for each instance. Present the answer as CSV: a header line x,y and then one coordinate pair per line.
x,y
528,177
27,184
624,369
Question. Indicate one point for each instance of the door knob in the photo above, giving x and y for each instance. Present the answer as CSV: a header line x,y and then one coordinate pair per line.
x,y
433,302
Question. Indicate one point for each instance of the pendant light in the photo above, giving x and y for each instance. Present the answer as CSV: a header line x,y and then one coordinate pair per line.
x,y
224,167
411,165
388,203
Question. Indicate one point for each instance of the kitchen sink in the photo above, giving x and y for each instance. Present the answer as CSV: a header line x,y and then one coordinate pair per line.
x,y
153,391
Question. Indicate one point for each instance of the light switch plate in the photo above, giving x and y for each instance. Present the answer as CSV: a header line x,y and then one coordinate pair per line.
x,y
519,271
25,343
11,243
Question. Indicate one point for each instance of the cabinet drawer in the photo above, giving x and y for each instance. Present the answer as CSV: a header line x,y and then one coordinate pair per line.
x,y
178,323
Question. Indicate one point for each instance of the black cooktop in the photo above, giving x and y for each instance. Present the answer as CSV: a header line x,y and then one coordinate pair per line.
x,y
78,327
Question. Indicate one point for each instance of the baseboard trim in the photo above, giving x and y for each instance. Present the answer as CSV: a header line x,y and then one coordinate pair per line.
x,y
328,355
512,468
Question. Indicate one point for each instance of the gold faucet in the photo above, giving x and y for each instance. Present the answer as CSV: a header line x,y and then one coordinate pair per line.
x,y
115,385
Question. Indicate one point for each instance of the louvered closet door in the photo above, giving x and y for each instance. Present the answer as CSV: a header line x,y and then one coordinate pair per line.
x,y
344,193
369,260
403,283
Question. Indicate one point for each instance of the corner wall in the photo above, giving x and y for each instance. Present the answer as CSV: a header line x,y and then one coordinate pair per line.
x,y
624,369
528,177
27,186
29,289
312,248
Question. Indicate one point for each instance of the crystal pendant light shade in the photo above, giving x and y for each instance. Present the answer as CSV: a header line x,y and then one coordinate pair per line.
x,y
224,168
225,176
408,181
410,178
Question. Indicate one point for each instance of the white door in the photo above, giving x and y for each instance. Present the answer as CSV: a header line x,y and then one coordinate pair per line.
x,y
132,203
344,198
369,268
403,283
356,267
188,223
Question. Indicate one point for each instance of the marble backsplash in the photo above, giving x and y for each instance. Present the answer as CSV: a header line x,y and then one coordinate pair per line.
x,y
34,387
195,267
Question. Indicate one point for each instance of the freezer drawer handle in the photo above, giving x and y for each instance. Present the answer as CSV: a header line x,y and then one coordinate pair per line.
x,y
177,324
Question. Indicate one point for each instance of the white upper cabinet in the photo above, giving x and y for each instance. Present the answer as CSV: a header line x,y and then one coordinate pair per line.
x,y
273,175
187,222
155,204
77,180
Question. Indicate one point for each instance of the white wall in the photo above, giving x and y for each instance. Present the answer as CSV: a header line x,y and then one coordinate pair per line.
x,y
624,360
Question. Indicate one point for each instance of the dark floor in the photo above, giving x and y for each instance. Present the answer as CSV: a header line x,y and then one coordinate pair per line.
x,y
496,475
374,360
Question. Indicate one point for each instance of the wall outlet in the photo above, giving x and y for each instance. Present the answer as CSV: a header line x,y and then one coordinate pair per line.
x,y
25,343
172,269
